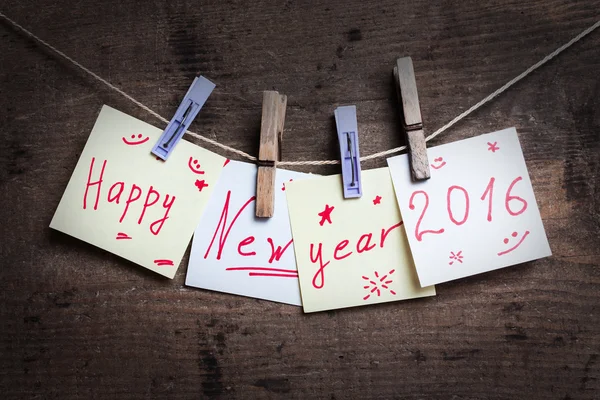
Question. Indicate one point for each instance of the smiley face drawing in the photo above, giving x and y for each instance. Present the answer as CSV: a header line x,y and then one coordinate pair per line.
x,y
194,166
134,141
506,240
438,163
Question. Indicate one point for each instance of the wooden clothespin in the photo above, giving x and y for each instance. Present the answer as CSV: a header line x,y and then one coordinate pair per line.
x,y
406,87
271,134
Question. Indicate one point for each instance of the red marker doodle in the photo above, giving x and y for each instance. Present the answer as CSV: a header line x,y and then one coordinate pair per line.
x,y
506,240
456,257
377,200
258,271
122,235
326,214
276,275
134,142
493,147
200,184
374,285
226,162
160,263
195,166
440,162
283,185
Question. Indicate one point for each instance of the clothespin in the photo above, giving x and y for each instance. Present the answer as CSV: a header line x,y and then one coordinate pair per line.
x,y
191,104
406,87
347,129
271,134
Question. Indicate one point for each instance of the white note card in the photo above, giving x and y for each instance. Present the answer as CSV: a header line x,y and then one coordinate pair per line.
x,y
477,213
233,251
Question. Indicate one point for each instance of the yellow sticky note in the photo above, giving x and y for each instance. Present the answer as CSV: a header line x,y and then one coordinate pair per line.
x,y
350,252
122,199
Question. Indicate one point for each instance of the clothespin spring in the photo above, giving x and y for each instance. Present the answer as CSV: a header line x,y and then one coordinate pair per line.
x,y
347,131
353,183
189,107
181,125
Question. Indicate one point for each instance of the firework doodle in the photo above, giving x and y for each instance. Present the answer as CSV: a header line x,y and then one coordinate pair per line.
x,y
455,257
377,284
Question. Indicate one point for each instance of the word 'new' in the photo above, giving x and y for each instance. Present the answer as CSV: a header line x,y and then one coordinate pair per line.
x,y
244,247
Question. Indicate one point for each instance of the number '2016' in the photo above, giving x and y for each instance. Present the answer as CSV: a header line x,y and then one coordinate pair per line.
x,y
456,217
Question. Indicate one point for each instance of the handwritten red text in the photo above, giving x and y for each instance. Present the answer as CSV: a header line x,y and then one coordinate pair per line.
x,y
132,196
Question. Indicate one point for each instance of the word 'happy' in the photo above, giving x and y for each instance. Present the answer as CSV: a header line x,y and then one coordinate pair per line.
x,y
115,195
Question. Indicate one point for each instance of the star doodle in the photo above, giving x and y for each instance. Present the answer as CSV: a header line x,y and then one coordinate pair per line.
x,y
493,147
200,184
326,214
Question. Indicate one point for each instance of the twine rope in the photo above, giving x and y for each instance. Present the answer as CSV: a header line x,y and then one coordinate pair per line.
x,y
250,157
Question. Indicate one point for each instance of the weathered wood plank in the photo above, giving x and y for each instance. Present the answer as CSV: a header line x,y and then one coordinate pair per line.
x,y
78,323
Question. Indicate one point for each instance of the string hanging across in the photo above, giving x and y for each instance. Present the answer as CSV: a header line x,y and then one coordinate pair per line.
x,y
250,157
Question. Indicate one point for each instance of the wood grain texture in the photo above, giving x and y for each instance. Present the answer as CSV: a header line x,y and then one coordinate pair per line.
x,y
417,155
265,192
408,92
271,135
79,323
408,97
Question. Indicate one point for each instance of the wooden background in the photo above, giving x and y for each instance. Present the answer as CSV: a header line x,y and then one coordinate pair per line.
x,y
79,323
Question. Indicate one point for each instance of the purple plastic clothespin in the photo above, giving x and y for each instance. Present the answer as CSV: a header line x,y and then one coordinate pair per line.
x,y
191,104
347,127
